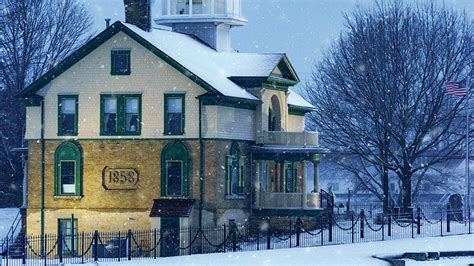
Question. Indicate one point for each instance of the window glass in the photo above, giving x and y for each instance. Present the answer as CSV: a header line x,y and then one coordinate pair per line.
x,y
201,7
110,115
120,62
174,114
65,226
235,170
68,177
174,178
67,115
181,7
131,114
219,7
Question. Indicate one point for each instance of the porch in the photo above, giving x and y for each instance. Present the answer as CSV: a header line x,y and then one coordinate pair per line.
x,y
280,180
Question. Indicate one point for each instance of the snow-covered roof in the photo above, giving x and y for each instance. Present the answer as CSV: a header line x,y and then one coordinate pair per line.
x,y
195,56
208,67
296,100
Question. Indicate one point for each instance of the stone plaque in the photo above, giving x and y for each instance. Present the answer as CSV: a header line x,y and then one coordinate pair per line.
x,y
119,178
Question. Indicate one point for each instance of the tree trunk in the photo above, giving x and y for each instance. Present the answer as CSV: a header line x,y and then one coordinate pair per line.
x,y
386,195
406,192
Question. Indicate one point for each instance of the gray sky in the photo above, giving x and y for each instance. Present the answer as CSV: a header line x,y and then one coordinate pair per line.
x,y
301,28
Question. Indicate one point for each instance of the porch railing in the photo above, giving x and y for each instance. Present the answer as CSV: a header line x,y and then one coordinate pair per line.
x,y
280,200
297,139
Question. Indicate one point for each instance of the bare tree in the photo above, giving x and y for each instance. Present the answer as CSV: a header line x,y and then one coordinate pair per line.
x,y
35,35
379,89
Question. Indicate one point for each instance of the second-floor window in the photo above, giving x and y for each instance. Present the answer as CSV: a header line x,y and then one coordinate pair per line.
x,y
121,114
174,114
67,115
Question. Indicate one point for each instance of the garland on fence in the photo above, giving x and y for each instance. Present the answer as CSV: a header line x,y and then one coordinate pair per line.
x,y
428,220
40,255
146,250
312,234
402,225
346,228
102,243
213,245
173,241
372,228
72,253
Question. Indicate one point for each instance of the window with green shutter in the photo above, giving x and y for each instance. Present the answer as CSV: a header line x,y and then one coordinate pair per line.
x,y
235,172
120,114
174,170
68,169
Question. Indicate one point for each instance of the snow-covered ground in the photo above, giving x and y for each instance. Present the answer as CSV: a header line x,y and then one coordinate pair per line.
x,y
350,254
7,215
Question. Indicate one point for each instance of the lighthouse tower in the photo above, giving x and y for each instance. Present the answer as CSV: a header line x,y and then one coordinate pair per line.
x,y
208,20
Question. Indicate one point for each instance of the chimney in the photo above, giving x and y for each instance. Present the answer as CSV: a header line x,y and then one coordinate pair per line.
x,y
138,13
107,22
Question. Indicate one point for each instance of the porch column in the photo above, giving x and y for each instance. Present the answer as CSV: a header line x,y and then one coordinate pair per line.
x,y
258,183
305,176
316,176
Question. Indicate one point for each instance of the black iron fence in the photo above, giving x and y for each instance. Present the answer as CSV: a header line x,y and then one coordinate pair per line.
x,y
329,229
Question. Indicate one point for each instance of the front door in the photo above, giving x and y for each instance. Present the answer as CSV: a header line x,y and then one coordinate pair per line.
x,y
170,236
68,235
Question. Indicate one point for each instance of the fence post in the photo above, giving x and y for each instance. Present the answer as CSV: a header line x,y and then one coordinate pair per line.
x,y
60,246
412,224
96,245
82,247
448,219
45,247
441,222
233,231
129,248
155,245
362,216
72,234
330,221
390,224
469,218
418,220
225,238
383,226
322,229
298,230
190,233
352,227
25,250
119,248
8,250
269,235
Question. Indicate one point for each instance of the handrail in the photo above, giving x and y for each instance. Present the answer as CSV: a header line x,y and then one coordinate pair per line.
x,y
14,226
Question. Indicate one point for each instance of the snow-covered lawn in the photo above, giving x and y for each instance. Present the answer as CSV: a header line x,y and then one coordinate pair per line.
x,y
349,254
7,215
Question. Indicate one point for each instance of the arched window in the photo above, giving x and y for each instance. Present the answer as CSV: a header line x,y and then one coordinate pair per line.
x,y
235,171
274,115
174,170
68,169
